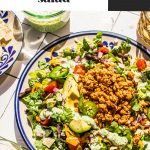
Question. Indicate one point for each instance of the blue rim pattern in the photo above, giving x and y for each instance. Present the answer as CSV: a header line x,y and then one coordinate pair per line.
x,y
7,59
39,53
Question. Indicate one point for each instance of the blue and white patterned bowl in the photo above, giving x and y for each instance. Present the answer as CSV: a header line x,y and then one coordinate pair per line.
x,y
13,48
137,50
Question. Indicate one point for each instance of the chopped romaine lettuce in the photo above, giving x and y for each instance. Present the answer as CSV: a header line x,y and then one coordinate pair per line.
x,y
62,115
86,46
89,64
37,95
136,106
46,81
119,70
41,74
146,75
98,39
31,82
33,75
68,52
39,131
112,57
43,65
123,48
39,145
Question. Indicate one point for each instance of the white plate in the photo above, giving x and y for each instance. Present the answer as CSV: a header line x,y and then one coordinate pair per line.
x,y
108,39
12,50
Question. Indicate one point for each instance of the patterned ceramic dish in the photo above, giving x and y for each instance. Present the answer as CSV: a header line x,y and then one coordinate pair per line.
x,y
11,51
20,108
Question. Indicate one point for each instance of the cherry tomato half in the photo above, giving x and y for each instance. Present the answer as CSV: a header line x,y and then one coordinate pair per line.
x,y
50,88
45,122
141,64
103,50
79,69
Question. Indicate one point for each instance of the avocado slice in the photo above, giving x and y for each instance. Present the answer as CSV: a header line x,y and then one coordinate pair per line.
x,y
79,126
70,88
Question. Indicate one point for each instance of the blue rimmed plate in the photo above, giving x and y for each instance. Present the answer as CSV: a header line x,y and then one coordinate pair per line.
x,y
59,44
13,48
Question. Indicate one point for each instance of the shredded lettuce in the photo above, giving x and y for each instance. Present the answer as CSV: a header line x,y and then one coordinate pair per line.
x,y
41,74
39,145
32,81
43,65
112,57
89,64
68,52
98,39
62,115
123,48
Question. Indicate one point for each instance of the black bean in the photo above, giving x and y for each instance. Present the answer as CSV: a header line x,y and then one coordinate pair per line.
x,y
21,94
126,55
27,91
147,99
102,60
26,111
120,55
100,44
88,56
124,59
96,52
93,57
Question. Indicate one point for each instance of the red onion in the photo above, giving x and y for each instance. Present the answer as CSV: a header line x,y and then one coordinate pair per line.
x,y
139,118
63,61
55,90
77,59
134,123
143,116
58,130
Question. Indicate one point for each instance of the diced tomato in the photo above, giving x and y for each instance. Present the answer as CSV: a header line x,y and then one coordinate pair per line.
x,y
79,69
103,50
42,122
45,122
50,88
141,64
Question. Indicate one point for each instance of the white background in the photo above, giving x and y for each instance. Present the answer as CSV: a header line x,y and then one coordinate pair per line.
x,y
35,5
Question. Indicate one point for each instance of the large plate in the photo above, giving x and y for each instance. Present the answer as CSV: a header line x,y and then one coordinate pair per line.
x,y
13,48
108,38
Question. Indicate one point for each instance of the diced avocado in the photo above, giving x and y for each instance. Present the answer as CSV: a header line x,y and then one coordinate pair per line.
x,y
79,126
70,88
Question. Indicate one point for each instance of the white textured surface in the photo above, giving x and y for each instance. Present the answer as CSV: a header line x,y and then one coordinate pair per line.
x,y
119,22
82,21
7,88
127,24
